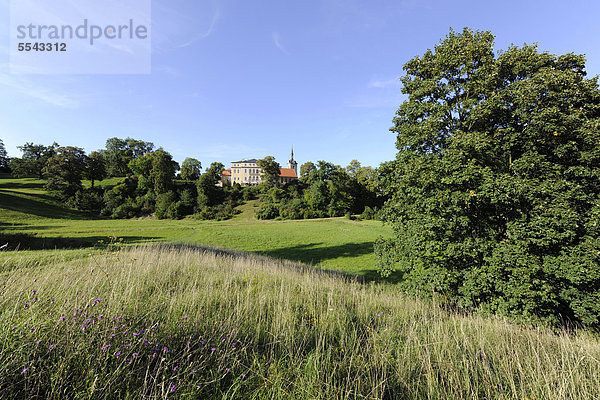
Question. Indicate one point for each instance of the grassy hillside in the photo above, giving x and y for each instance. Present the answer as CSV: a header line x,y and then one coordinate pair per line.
x,y
25,208
178,322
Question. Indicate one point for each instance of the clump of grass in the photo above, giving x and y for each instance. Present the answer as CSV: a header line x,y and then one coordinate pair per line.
x,y
160,322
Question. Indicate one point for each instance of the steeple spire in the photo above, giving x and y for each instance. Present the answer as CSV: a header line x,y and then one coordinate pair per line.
x,y
292,164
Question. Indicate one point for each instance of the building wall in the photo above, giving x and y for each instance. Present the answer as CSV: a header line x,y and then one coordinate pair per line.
x,y
246,173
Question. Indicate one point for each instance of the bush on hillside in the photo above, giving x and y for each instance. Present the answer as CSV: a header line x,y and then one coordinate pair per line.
x,y
267,211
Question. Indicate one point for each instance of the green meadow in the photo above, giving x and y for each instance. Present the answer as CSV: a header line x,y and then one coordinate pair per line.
x,y
184,309
336,243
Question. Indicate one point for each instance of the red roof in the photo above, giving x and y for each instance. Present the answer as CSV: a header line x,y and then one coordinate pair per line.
x,y
227,172
287,173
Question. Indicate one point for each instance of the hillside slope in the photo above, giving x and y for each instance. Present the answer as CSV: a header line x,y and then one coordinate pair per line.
x,y
189,323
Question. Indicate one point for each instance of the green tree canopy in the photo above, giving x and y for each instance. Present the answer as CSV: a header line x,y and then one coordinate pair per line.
x,y
65,170
4,160
209,193
95,168
33,160
270,171
191,169
163,171
306,170
120,152
495,190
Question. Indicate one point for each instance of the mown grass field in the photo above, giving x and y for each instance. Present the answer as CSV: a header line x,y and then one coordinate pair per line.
x,y
337,243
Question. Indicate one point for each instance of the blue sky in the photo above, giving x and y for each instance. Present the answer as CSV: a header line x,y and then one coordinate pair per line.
x,y
233,79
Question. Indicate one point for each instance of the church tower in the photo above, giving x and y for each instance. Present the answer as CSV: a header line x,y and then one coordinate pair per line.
x,y
292,163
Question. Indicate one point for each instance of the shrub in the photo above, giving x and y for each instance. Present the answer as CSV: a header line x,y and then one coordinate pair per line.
x,y
165,207
267,211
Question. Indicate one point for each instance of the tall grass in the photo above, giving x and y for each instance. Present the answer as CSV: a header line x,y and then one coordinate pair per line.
x,y
160,322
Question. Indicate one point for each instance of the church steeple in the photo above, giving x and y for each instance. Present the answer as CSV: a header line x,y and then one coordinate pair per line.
x,y
292,163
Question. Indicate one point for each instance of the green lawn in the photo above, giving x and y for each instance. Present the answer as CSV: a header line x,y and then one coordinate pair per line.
x,y
334,243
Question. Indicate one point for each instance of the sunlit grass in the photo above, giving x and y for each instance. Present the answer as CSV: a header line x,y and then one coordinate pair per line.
x,y
155,322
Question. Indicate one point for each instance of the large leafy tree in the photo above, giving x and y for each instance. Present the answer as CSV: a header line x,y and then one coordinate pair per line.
x,y
209,193
155,171
96,167
65,170
120,152
495,190
163,171
270,170
33,160
191,169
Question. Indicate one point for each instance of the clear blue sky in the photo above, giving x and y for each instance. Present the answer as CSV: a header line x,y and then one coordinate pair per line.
x,y
233,79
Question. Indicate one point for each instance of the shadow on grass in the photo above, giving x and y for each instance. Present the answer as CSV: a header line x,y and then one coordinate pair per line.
x,y
287,263
374,276
315,253
23,241
22,227
39,208
21,185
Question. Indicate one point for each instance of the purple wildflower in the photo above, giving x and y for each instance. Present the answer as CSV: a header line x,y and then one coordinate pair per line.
x,y
172,388
51,346
24,370
106,347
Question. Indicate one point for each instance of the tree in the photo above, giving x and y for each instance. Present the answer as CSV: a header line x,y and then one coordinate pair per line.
x,y
155,171
191,169
95,168
33,160
495,190
209,194
120,152
65,169
4,160
163,171
306,170
270,170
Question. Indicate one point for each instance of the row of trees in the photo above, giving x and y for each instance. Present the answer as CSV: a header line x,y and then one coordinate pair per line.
x,y
324,190
152,185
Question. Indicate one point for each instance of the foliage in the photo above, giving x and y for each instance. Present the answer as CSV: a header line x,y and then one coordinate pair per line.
x,y
91,200
270,170
209,194
306,170
4,160
267,211
163,171
66,169
495,190
167,206
120,152
33,160
96,167
191,169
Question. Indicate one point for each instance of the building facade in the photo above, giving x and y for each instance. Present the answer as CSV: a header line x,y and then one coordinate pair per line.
x,y
248,173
